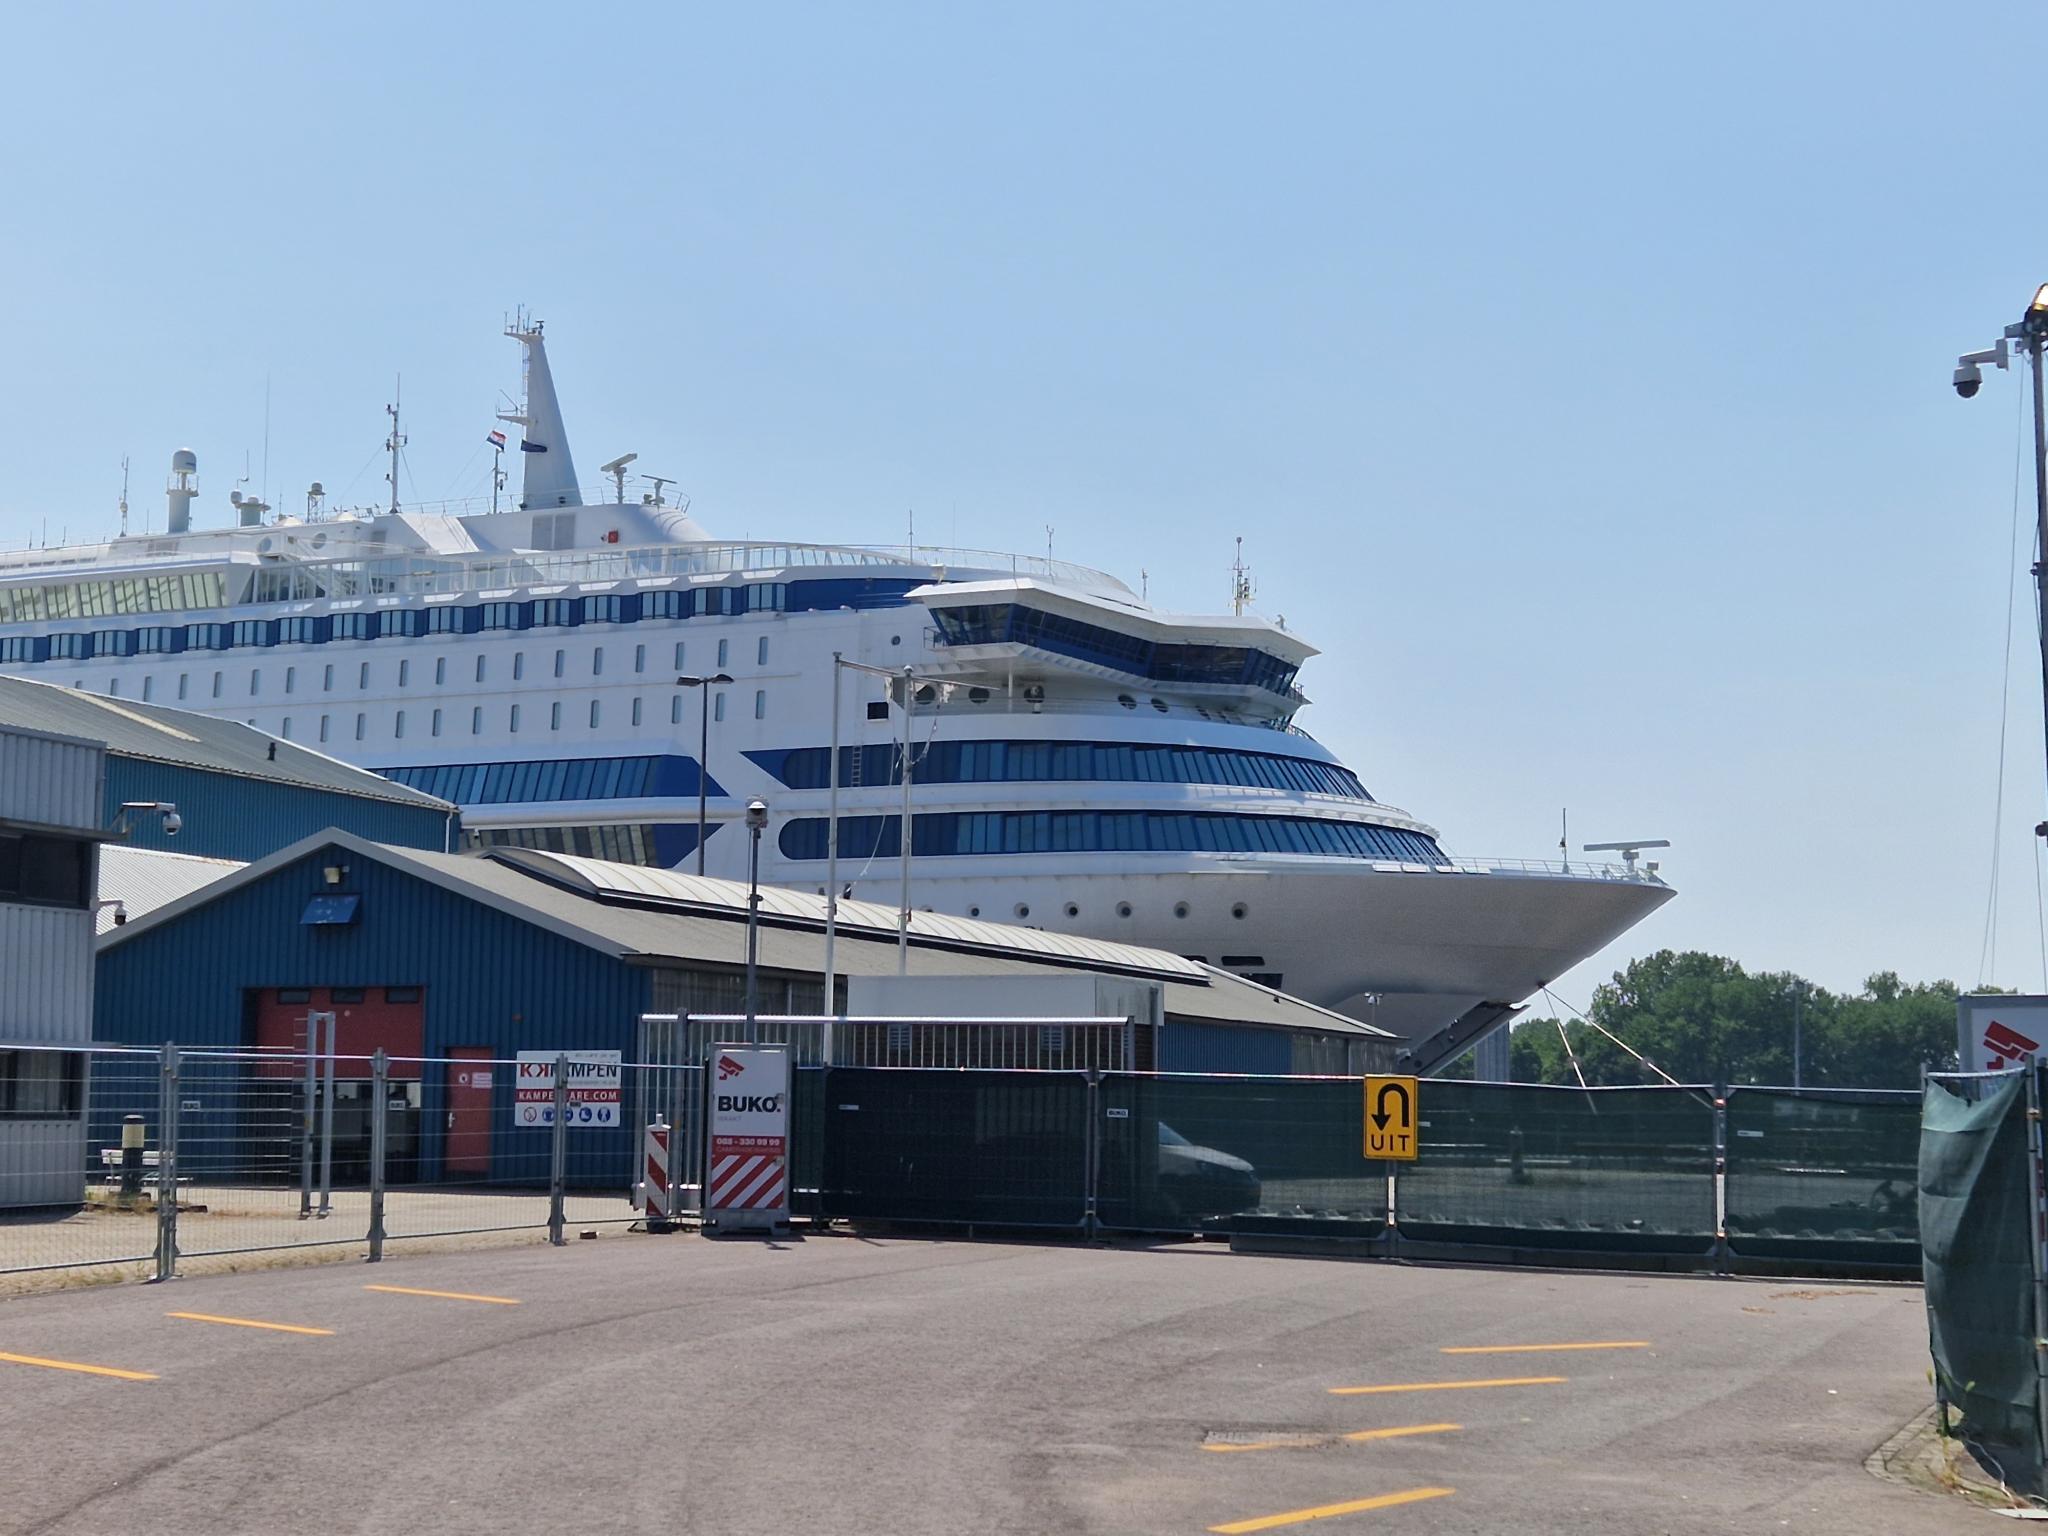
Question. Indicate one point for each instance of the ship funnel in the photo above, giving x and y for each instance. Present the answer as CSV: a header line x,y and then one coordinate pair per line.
x,y
184,465
550,473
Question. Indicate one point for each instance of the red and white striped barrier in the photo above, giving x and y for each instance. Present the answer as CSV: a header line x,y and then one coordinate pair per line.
x,y
653,1193
750,1180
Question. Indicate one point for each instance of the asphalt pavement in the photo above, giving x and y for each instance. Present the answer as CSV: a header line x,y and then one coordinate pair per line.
x,y
847,1385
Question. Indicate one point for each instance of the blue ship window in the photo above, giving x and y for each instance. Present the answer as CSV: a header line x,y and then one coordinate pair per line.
x,y
942,834
1014,762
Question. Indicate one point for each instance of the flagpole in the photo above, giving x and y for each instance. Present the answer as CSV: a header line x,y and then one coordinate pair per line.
x,y
497,469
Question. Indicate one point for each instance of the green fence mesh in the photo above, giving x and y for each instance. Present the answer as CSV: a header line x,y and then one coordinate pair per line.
x,y
993,1148
1603,1169
1814,1174
1975,1180
1271,1154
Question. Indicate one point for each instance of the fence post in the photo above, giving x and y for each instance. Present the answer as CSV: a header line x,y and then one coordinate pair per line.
x,y
559,1152
1393,1232
1090,1225
327,1123
1722,1256
2039,1261
311,1089
167,1164
380,1087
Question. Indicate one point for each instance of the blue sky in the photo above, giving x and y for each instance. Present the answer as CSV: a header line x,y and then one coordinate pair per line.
x,y
1577,376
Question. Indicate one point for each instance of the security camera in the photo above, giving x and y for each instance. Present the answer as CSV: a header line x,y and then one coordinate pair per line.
x,y
1969,376
173,823
120,915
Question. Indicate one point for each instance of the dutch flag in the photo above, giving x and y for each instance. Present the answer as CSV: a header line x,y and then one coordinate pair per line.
x,y
496,440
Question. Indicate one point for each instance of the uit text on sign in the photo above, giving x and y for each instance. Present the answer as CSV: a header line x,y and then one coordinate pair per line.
x,y
1391,1105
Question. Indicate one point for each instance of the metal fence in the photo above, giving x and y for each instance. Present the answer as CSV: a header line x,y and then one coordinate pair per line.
x,y
271,1151
1752,1179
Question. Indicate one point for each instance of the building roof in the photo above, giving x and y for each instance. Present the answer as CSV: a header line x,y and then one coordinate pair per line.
x,y
671,887
596,904
134,729
143,879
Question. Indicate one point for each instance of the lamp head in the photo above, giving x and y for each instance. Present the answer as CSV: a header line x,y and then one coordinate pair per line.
x,y
757,815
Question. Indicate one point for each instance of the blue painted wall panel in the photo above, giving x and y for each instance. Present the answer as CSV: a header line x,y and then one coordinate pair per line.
x,y
1187,1046
230,817
490,979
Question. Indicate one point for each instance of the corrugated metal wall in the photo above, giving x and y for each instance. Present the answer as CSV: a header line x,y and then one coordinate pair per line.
x,y
228,817
1187,1045
52,781
490,980
46,971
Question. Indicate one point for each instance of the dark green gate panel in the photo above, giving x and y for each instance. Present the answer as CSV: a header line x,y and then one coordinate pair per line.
x,y
807,1139
992,1148
1614,1170
1238,1154
1975,1228
1820,1175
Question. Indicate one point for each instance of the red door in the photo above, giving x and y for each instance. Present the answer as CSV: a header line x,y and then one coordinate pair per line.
x,y
467,1151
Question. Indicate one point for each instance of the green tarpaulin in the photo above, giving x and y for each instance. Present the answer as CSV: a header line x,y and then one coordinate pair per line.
x,y
1974,1232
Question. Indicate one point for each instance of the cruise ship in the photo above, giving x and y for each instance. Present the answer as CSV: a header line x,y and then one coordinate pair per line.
x,y
588,671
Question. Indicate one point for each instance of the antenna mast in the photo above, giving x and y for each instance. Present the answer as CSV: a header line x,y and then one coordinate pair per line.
x,y
124,495
1241,588
397,439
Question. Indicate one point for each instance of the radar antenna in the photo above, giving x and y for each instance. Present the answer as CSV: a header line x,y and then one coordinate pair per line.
x,y
617,470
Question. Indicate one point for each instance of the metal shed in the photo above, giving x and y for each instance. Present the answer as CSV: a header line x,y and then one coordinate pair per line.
x,y
50,795
436,957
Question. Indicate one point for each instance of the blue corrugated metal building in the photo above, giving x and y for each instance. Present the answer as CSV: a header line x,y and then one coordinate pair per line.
x,y
455,964
240,792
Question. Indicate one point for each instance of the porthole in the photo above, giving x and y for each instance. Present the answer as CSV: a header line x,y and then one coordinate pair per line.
x,y
977,695
1023,910
1238,911
974,911
1073,910
1180,909
1127,701
895,639
1123,909
1160,705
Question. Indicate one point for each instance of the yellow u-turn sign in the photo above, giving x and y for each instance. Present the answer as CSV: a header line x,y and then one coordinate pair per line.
x,y
1392,1105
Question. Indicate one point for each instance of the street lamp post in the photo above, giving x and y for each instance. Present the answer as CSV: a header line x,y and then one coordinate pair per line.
x,y
705,685
757,823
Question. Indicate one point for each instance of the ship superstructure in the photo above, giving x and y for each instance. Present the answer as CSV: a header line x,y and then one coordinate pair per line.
x,y
1079,760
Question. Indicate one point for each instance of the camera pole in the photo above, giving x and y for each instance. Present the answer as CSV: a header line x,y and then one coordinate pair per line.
x,y
2030,334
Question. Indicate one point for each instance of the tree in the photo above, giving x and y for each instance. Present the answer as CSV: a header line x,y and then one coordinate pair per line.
x,y
1704,1019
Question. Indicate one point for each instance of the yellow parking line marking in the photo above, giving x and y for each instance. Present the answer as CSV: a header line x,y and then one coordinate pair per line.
x,y
250,1322
1293,1443
1312,1442
1449,1386
1324,1511
407,1290
73,1365
1407,1429
1540,1349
